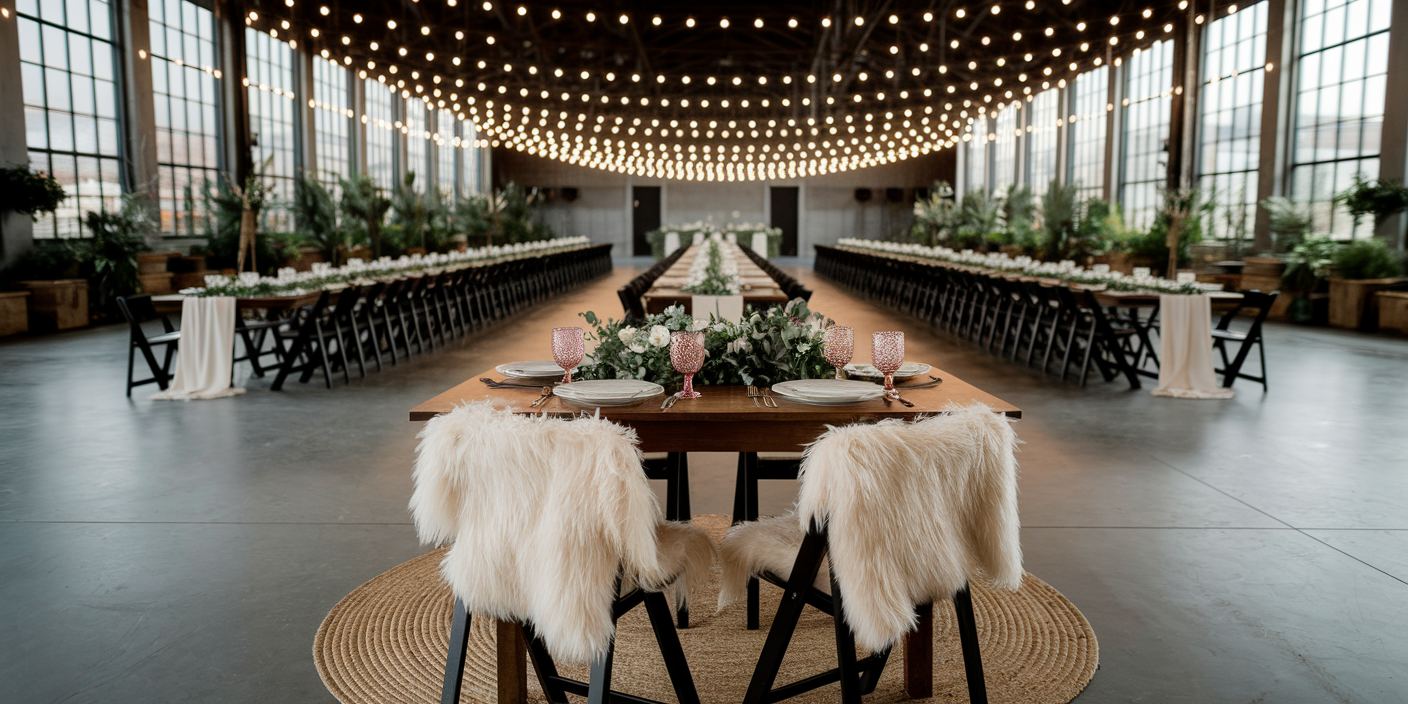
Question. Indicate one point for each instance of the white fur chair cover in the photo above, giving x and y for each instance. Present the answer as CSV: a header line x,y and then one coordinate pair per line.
x,y
913,511
543,513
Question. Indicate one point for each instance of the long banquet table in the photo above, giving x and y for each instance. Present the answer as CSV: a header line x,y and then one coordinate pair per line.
x,y
759,289
725,419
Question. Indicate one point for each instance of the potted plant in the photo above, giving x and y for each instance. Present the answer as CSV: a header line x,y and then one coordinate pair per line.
x,y
365,204
109,259
1361,269
1307,267
1381,198
51,296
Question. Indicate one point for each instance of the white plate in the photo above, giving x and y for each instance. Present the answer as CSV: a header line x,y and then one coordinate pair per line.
x,y
868,371
827,391
608,392
537,369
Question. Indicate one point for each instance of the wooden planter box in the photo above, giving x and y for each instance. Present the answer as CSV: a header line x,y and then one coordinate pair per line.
x,y
194,279
157,284
1393,310
1352,302
154,262
1269,267
14,312
1118,261
56,305
305,260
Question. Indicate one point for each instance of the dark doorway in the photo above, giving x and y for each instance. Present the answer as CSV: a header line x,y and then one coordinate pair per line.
x,y
645,216
784,215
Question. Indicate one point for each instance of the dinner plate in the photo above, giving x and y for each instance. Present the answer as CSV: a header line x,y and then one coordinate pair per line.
x,y
608,392
536,369
868,371
827,392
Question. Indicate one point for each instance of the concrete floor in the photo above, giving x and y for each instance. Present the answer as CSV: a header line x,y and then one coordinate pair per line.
x,y
1253,550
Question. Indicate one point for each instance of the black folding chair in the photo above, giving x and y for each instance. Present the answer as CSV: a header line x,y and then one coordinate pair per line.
x,y
752,467
673,469
1222,334
138,310
857,676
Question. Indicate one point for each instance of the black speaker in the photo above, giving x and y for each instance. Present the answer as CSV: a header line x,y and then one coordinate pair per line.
x,y
894,195
569,194
862,194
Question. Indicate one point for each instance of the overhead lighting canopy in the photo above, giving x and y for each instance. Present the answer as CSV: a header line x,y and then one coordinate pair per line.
x,y
720,91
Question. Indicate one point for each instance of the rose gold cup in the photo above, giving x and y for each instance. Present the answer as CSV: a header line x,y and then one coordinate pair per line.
x,y
838,343
568,348
887,354
687,356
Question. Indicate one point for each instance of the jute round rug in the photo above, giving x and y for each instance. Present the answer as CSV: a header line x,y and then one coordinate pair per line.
x,y
386,641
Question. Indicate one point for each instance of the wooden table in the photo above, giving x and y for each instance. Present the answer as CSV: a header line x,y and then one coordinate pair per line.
x,y
724,419
759,289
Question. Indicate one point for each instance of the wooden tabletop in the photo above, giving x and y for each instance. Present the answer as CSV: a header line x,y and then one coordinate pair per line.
x,y
724,419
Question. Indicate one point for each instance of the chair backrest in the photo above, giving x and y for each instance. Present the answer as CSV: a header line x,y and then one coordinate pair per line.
x,y
1261,302
912,510
138,310
544,514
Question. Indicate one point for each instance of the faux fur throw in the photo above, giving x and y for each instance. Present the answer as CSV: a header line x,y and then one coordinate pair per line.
x,y
543,513
913,510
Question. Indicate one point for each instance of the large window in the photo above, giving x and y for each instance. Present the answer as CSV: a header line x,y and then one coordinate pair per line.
x,y
1234,68
977,161
70,105
417,134
1041,140
1339,104
445,152
271,110
382,134
187,116
1149,87
1087,133
1004,160
332,121
469,159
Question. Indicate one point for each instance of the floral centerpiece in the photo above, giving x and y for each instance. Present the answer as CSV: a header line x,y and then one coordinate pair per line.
x,y
712,273
292,283
780,344
1065,271
742,232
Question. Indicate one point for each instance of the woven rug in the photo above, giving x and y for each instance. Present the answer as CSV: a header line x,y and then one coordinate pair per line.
x,y
386,643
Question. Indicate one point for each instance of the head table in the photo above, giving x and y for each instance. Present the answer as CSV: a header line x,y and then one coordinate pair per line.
x,y
758,289
723,419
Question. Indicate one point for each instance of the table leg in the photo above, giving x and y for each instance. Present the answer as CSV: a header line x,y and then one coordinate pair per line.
x,y
512,664
919,656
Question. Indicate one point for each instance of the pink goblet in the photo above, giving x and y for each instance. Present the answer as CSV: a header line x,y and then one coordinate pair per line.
x,y
567,349
887,354
687,356
838,343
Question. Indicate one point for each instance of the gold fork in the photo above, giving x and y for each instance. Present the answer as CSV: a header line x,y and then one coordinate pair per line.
x,y
768,400
753,394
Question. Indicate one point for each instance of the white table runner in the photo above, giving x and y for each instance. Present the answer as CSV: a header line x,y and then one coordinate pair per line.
x,y
1185,349
206,354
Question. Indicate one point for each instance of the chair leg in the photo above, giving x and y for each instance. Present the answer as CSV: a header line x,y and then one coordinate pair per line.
x,y
544,666
968,637
670,649
454,658
784,624
599,685
845,648
919,655
745,508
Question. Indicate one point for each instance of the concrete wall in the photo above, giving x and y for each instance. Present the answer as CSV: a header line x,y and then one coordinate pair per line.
x,y
828,208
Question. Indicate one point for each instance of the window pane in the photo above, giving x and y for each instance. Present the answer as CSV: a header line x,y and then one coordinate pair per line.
x,y
382,133
1148,102
1337,127
1230,125
1088,125
271,110
332,121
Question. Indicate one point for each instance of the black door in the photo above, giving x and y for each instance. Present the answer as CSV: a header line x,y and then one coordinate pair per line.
x,y
645,216
784,215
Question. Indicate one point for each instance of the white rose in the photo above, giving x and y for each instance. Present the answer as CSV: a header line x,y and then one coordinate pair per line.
x,y
637,348
626,334
659,336
699,324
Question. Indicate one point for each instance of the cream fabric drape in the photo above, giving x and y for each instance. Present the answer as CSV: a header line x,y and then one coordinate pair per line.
x,y
1185,349
206,354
